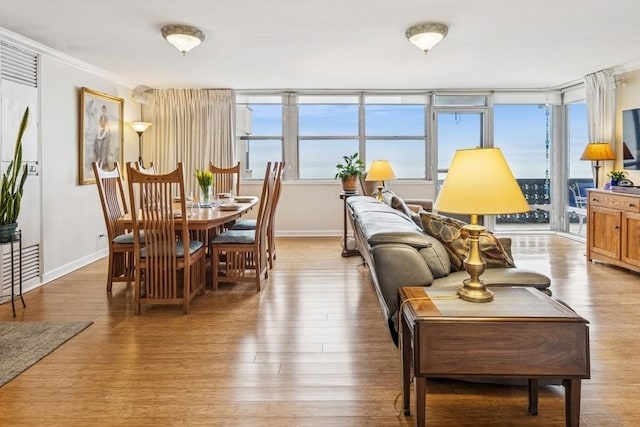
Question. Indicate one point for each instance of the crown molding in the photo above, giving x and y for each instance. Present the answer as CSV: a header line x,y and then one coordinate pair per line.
x,y
43,50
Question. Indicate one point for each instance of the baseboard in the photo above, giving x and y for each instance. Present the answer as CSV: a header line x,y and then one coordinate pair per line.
x,y
72,266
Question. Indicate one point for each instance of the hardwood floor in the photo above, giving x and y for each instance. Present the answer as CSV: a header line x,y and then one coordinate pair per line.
x,y
311,349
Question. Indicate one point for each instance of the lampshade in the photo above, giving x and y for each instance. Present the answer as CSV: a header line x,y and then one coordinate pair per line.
x,y
380,170
183,37
427,35
596,151
480,182
139,127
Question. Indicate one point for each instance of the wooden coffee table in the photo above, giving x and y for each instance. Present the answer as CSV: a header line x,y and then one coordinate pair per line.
x,y
522,333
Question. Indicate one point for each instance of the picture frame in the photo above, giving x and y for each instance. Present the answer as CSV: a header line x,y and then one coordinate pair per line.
x,y
101,132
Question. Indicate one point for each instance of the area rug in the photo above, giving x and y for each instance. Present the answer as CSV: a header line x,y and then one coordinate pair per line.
x,y
22,344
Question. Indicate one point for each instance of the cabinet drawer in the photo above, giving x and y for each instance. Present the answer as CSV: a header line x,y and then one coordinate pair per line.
x,y
624,203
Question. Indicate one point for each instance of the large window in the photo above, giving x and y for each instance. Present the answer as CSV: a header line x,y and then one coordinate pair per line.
x,y
395,130
314,132
260,135
328,130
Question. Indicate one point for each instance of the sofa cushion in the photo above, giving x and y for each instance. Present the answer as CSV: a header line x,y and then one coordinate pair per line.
x,y
455,238
399,204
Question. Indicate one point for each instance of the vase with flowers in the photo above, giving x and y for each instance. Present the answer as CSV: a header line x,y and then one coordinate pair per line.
x,y
205,182
616,177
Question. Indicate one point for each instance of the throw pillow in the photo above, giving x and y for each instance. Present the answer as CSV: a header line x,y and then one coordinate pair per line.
x,y
450,232
399,204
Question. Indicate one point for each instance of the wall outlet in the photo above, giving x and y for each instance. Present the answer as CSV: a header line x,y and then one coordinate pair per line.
x,y
100,236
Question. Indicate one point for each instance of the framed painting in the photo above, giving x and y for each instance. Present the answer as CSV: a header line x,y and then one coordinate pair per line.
x,y
101,132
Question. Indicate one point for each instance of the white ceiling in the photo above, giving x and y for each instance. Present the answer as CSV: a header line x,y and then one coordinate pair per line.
x,y
338,44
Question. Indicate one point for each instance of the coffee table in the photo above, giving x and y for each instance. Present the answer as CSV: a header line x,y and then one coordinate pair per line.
x,y
522,333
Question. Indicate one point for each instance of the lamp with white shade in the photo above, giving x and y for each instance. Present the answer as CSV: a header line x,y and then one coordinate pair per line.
x,y
479,182
140,128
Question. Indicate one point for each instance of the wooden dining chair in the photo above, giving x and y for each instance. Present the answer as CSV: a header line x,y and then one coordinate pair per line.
x,y
250,224
240,255
165,248
226,179
112,198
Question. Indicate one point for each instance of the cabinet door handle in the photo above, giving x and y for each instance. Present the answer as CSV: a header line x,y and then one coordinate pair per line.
x,y
595,200
616,227
631,205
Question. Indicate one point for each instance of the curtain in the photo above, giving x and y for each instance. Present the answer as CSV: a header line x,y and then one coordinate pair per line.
x,y
192,126
600,88
600,91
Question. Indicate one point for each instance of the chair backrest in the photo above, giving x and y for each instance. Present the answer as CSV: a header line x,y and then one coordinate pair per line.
x,y
266,200
579,201
149,170
160,221
226,179
277,187
112,197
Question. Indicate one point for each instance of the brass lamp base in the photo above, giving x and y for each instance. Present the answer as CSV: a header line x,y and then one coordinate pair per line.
x,y
473,289
379,193
475,294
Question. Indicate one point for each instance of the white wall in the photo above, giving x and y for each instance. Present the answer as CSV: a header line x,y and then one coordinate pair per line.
x,y
72,216
315,208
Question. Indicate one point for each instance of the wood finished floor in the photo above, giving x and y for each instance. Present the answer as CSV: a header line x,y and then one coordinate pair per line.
x,y
312,349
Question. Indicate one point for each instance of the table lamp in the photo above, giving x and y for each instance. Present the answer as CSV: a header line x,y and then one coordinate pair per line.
x,y
479,182
140,128
597,151
380,170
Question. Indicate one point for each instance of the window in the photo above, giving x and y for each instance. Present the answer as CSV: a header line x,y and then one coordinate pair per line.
x,y
395,130
259,133
328,130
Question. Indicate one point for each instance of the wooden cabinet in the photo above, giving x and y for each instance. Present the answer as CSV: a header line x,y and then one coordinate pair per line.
x,y
613,235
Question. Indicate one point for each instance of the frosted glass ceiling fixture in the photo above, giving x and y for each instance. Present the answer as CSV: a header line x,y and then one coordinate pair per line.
x,y
183,37
427,35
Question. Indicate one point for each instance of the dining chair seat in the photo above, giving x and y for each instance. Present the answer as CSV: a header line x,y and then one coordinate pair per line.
x,y
194,246
235,236
126,238
244,224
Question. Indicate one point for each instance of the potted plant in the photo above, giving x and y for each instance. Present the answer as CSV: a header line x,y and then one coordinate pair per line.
x,y
616,177
349,171
13,180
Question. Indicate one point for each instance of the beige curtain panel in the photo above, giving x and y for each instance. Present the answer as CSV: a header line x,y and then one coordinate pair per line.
x,y
192,126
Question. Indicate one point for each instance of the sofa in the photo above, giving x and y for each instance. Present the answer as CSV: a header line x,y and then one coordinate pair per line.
x,y
392,240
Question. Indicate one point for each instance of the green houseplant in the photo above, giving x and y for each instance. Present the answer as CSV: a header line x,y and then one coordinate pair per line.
x,y
13,180
616,176
349,171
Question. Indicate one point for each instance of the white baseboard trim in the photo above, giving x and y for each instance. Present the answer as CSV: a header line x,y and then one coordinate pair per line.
x,y
72,266
310,233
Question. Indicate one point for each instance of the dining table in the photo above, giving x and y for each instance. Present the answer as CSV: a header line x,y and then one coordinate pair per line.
x,y
208,218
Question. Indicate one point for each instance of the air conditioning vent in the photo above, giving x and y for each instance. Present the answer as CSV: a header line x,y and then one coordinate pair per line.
x,y
18,65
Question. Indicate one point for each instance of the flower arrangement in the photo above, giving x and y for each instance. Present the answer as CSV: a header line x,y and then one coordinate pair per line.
x,y
617,175
205,178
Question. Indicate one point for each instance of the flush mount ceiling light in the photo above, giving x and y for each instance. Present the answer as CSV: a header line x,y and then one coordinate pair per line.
x,y
183,37
427,35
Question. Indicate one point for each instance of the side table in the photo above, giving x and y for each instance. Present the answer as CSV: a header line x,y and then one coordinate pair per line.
x,y
346,252
16,239
523,333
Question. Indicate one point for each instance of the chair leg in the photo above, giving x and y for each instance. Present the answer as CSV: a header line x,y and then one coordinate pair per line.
x,y
110,271
186,289
215,262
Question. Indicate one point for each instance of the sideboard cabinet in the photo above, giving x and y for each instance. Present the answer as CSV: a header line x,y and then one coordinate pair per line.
x,y
613,234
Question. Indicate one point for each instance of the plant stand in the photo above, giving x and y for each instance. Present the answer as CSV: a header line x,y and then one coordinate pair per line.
x,y
16,240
